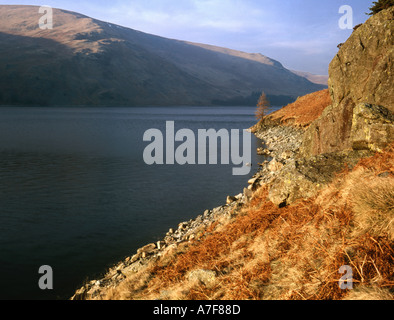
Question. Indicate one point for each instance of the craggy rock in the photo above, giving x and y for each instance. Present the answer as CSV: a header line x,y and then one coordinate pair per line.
x,y
331,132
304,177
363,68
290,176
372,127
361,72
359,121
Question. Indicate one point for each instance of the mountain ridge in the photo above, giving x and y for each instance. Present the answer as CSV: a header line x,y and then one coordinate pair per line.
x,y
315,78
84,61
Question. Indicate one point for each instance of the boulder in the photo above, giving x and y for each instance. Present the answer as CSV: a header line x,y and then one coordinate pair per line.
x,y
147,249
331,132
248,194
252,181
303,178
289,186
231,199
160,245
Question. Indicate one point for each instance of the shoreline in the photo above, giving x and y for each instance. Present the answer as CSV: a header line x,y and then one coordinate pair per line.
x,y
288,175
281,144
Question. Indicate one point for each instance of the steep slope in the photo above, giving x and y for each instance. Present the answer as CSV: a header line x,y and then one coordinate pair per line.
x,y
83,61
301,113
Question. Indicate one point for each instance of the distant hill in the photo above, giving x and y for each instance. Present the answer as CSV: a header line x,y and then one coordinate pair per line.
x,y
83,61
318,79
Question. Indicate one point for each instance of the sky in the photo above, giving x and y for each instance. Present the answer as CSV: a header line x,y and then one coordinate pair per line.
x,y
301,34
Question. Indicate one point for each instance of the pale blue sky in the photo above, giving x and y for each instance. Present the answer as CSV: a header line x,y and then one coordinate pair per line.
x,y
301,34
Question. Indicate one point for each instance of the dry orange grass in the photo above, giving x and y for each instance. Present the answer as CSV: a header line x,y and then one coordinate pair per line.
x,y
373,206
288,253
373,195
305,110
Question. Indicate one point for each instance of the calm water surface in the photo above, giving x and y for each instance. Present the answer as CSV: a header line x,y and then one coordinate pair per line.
x,y
76,194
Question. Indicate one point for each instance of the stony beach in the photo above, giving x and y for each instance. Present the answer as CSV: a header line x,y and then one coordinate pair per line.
x,y
280,144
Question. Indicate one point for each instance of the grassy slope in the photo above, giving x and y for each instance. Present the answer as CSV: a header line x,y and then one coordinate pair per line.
x,y
303,111
293,252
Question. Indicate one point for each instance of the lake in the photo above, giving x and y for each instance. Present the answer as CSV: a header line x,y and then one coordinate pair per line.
x,y
76,194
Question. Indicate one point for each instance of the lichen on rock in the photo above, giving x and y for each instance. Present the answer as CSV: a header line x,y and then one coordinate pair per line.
x,y
372,127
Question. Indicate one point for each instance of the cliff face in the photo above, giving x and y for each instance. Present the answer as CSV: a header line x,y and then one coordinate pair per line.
x,y
354,121
361,75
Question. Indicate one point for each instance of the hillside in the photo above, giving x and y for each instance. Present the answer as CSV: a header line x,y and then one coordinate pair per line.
x,y
319,79
300,113
83,61
308,218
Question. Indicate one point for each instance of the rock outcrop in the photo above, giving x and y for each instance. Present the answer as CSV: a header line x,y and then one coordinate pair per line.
x,y
358,122
361,73
291,177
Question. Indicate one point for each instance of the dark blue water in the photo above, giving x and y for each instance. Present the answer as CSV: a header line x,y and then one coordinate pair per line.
x,y
76,194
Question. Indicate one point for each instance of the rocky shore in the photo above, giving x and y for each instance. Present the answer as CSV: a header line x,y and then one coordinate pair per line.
x,y
280,144
287,175
290,175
